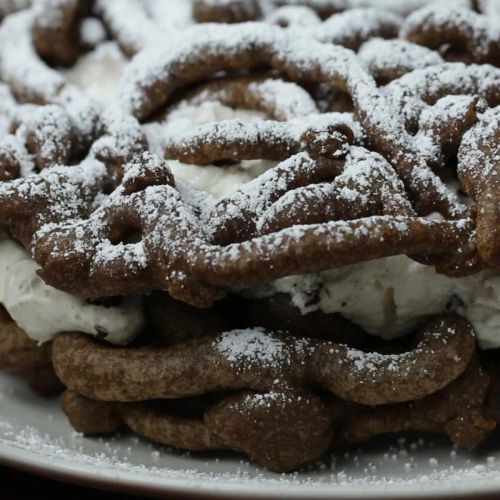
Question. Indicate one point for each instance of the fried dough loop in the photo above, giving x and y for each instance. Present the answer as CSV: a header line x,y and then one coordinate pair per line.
x,y
233,11
477,35
104,216
479,173
153,77
175,247
215,10
349,28
388,60
56,30
145,234
276,418
258,360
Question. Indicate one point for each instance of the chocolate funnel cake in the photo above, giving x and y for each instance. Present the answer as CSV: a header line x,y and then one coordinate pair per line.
x,y
266,226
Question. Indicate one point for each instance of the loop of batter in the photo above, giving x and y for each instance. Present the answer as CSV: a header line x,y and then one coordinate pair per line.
x,y
457,410
154,76
131,25
381,379
258,360
56,30
461,28
278,99
280,430
96,245
387,60
284,429
479,173
367,185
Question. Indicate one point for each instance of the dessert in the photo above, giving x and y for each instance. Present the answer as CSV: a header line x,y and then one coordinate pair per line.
x,y
277,219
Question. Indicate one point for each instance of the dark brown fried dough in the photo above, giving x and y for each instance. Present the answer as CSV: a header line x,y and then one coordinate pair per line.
x,y
13,156
324,8
56,31
234,140
304,249
124,247
236,216
208,364
89,416
247,46
174,321
49,135
17,351
227,11
479,174
278,99
355,26
98,417
134,28
285,429
334,366
366,185
470,32
280,430
32,81
387,60
43,381
458,410
152,81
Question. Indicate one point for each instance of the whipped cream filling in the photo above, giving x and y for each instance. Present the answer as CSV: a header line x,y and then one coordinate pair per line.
x,y
391,296
216,180
387,297
43,311
98,71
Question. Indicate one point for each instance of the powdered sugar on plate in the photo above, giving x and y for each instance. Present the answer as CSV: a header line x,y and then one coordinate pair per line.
x,y
36,432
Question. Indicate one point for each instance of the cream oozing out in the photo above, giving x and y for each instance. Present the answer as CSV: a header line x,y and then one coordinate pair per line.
x,y
391,296
387,297
43,311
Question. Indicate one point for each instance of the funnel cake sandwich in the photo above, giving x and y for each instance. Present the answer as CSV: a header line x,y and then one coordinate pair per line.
x,y
266,226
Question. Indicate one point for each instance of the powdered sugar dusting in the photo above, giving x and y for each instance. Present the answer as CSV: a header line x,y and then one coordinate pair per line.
x,y
20,66
253,346
396,56
381,467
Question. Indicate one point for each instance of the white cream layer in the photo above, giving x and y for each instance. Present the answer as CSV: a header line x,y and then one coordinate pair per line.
x,y
43,311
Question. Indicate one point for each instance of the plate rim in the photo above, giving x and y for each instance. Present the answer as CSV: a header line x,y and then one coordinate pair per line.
x,y
120,481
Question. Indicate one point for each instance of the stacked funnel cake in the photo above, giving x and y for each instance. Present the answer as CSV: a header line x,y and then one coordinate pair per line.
x,y
376,134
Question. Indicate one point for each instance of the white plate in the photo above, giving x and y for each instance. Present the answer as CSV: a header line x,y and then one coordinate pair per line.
x,y
35,435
